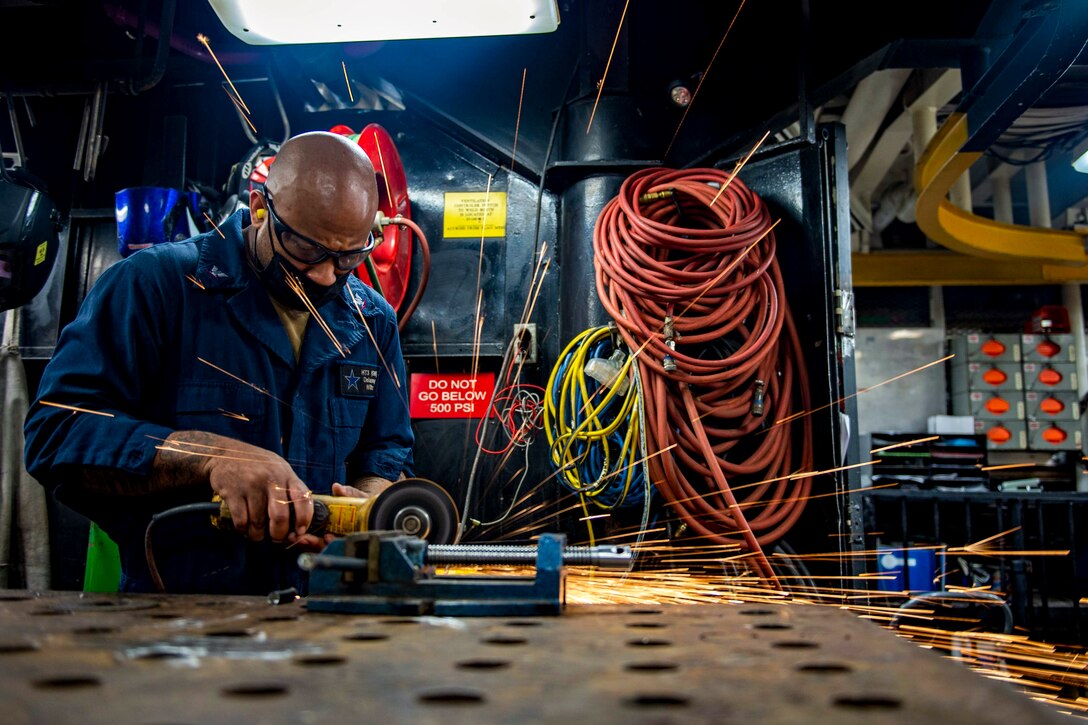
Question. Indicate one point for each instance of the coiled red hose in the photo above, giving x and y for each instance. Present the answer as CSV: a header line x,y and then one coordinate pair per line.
x,y
676,257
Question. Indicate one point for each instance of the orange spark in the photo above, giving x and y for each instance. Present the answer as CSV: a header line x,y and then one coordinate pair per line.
x,y
214,225
904,444
517,124
347,81
600,85
738,167
204,40
75,409
703,78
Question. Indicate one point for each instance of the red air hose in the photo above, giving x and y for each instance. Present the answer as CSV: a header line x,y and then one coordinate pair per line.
x,y
425,274
721,366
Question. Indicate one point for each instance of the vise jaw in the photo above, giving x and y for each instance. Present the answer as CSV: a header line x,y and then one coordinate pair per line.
x,y
387,572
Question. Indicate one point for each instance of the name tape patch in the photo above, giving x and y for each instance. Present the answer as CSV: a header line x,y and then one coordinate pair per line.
x,y
358,381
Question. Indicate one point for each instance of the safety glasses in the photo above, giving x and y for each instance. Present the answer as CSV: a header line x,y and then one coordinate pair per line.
x,y
305,250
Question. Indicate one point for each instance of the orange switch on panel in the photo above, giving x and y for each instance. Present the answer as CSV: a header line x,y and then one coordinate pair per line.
x,y
1048,348
999,434
997,405
994,376
1054,435
1049,376
993,348
1051,405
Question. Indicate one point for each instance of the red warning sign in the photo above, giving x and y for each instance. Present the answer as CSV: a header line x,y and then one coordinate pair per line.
x,y
450,396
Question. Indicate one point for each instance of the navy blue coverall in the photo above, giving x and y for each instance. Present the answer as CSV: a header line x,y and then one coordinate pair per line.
x,y
183,336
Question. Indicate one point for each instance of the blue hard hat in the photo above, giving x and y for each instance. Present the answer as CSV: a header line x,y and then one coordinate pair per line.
x,y
148,215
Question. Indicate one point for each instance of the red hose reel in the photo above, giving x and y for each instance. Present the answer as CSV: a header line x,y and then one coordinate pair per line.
x,y
392,258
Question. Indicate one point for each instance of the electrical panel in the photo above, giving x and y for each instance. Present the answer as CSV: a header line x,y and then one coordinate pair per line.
x,y
1021,390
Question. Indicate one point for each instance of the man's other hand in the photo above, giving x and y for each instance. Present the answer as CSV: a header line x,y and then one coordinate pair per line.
x,y
260,489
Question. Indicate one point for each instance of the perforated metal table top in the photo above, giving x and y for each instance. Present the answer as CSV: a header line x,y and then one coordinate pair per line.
x,y
68,657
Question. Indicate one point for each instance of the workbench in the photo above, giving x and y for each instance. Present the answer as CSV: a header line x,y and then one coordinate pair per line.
x,y
90,658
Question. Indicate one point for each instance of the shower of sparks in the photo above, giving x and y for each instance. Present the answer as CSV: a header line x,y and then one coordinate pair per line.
x,y
738,167
241,112
238,96
297,288
347,81
362,319
74,409
702,78
600,84
1043,670
195,281
214,225
803,413
517,124
236,416
904,444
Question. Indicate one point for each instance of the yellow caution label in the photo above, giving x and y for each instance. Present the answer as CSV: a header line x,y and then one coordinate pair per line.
x,y
474,214
39,256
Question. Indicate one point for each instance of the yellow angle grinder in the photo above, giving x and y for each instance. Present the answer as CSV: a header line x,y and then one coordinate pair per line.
x,y
416,506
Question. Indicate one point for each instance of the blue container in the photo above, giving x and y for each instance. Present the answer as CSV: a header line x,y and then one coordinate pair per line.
x,y
148,215
915,570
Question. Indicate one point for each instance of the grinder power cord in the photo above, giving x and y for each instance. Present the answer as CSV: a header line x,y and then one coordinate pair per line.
x,y
415,506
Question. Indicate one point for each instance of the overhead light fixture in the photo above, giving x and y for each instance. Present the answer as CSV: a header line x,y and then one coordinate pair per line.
x,y
276,22
1081,164
1080,156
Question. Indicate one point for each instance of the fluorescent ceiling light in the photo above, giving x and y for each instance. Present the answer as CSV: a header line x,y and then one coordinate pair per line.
x,y
274,22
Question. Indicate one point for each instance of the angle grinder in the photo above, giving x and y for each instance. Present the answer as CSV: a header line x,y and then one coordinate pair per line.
x,y
415,506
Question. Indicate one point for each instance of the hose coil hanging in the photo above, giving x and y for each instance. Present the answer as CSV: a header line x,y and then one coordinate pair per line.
x,y
685,265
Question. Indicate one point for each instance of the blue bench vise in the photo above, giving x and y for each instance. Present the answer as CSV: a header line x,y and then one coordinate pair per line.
x,y
388,572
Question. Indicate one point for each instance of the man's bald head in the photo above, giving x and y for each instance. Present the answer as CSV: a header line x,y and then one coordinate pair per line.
x,y
323,185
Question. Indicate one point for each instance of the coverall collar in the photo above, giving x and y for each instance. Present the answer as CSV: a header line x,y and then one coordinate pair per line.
x,y
223,264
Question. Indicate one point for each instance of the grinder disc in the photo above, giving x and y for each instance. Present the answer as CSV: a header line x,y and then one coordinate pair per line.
x,y
417,507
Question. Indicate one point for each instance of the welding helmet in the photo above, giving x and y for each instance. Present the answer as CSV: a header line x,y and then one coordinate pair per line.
x,y
29,239
248,174
148,215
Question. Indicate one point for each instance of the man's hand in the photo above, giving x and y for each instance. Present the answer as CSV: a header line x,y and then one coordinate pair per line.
x,y
374,485
365,487
258,486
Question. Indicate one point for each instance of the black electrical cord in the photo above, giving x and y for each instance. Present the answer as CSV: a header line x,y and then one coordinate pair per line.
x,y
149,552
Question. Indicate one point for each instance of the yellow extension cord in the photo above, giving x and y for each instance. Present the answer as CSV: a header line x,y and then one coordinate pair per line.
x,y
569,425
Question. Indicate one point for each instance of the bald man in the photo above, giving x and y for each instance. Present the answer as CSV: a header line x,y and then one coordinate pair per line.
x,y
199,368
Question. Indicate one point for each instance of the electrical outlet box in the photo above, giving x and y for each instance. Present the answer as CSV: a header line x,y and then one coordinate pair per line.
x,y
526,350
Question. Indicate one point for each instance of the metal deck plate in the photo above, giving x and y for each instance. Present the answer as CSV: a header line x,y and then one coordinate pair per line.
x,y
68,657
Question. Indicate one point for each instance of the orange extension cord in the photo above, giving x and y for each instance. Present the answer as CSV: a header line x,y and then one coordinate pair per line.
x,y
673,272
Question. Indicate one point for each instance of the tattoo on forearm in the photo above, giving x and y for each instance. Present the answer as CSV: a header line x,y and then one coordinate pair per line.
x,y
180,461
